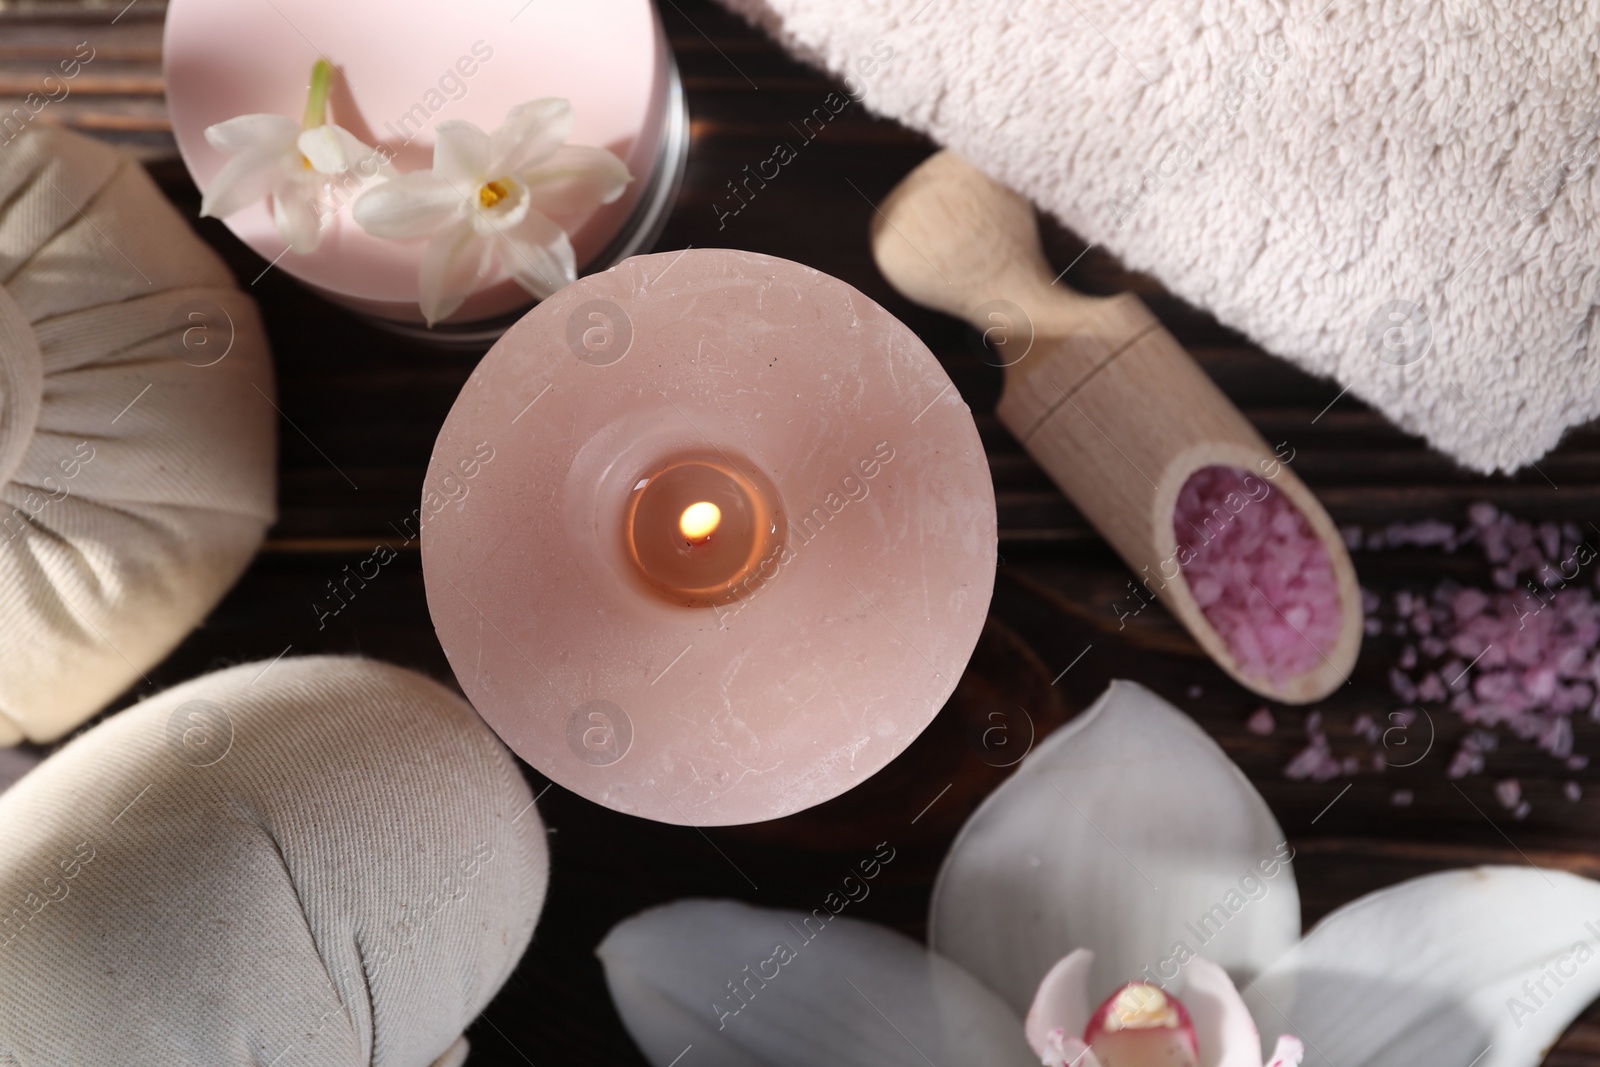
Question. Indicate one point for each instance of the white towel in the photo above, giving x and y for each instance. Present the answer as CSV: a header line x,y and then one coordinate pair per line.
x,y
136,458
1396,193
323,862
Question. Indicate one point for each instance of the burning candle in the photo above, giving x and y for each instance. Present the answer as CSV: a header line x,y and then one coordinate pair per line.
x,y
734,547
699,527
402,67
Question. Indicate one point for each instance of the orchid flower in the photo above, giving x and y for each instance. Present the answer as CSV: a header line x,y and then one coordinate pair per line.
x,y
295,163
1127,863
493,200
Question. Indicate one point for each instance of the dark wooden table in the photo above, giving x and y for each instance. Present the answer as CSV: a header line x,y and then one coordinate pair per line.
x,y
372,404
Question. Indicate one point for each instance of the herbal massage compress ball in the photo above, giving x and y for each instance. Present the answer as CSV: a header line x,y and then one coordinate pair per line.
x,y
137,430
321,862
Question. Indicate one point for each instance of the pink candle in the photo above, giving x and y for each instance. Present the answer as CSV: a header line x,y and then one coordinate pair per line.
x,y
402,66
733,545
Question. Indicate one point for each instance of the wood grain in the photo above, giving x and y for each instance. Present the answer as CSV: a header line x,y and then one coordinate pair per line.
x,y
361,410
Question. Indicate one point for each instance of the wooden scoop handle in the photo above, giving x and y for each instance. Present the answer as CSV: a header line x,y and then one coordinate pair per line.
x,y
1107,402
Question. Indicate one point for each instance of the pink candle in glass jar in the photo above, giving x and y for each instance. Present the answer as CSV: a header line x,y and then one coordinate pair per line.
x,y
709,537
401,67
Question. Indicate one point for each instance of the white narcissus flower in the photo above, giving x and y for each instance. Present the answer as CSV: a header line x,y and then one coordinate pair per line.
x,y
1126,849
296,164
493,199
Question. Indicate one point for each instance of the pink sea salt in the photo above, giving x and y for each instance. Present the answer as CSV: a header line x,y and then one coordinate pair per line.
x,y
1518,657
1259,575
1260,723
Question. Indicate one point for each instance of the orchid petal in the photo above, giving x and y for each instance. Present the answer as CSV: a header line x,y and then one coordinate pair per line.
x,y
540,256
1064,1050
246,133
529,135
452,265
461,155
1226,1033
324,150
1288,1052
1484,966
752,986
295,213
1124,830
1062,1001
408,207
575,179
242,181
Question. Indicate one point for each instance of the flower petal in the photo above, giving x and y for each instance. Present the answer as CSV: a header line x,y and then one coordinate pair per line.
x,y
246,133
325,150
371,162
1288,1052
461,155
540,256
576,179
408,207
529,135
242,181
1222,1024
452,266
1491,962
752,986
1130,833
1062,1000
295,212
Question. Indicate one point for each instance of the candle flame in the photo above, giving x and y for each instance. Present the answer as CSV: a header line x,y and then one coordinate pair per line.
x,y
699,521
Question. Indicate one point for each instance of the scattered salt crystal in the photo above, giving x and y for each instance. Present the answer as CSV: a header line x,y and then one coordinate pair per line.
x,y
1352,537
1508,792
1573,791
1519,656
1269,588
1315,761
1261,722
1194,692
1314,723
1401,798
1521,810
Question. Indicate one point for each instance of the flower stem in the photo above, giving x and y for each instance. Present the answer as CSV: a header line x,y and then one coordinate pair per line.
x,y
317,100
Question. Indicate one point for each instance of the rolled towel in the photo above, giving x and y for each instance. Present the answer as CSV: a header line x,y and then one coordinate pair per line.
x,y
323,862
137,430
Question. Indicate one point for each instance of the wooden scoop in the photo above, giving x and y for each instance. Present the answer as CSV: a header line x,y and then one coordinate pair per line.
x,y
1106,401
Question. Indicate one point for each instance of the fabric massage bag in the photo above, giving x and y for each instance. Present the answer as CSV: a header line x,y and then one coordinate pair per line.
x,y
137,430
318,862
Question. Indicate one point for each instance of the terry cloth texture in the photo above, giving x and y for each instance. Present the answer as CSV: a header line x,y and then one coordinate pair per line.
x,y
325,862
1399,194
137,433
